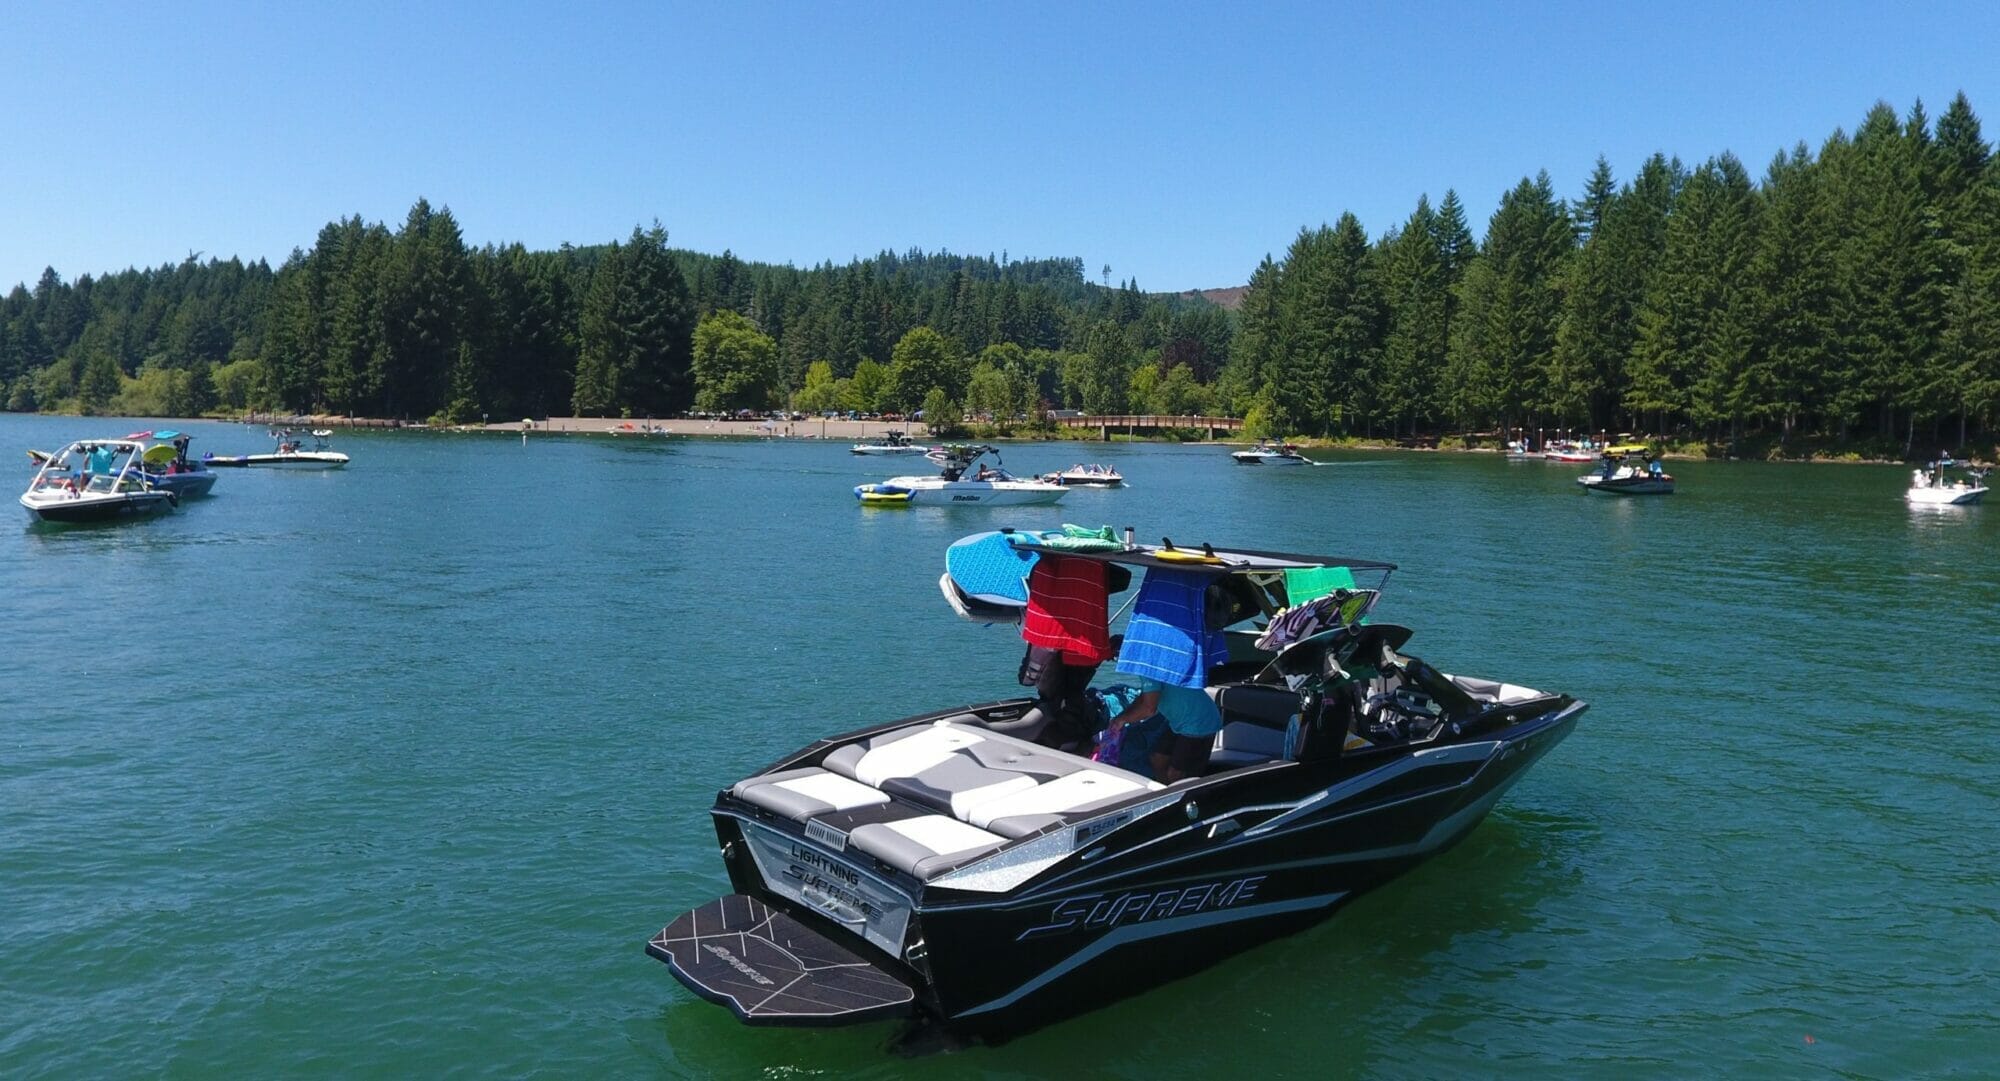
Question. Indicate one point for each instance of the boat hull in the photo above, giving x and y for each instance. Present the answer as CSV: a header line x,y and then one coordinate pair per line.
x,y
1945,497
1246,457
879,451
932,492
302,460
1193,878
184,485
1640,486
97,508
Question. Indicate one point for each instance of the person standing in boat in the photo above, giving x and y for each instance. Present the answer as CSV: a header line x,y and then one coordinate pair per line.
x,y
1173,638
99,463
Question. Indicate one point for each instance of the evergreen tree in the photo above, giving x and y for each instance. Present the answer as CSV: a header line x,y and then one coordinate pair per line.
x,y
657,318
1417,336
601,344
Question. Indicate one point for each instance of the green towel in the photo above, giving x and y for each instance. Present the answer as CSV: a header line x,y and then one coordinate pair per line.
x,y
1309,583
1075,538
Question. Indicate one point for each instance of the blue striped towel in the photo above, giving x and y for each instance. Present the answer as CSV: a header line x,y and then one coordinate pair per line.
x,y
1166,638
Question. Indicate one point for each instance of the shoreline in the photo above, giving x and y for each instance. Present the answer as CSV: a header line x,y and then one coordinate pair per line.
x,y
859,431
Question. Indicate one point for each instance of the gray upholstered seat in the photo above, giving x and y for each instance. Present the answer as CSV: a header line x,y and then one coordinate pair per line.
x,y
1243,744
989,787
799,794
924,846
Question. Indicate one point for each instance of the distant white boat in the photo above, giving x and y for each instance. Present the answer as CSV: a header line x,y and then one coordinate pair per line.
x,y
959,484
291,453
1086,476
1930,485
1628,470
893,443
1268,452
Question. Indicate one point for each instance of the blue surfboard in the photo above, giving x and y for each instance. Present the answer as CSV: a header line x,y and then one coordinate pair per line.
x,y
986,567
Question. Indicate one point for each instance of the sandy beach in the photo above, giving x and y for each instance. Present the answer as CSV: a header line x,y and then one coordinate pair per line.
x,y
850,431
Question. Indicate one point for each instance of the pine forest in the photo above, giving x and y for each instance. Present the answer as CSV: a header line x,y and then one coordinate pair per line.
x,y
1847,297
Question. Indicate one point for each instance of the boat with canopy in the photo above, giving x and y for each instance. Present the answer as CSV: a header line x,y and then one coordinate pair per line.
x,y
1629,469
892,443
961,481
95,480
167,465
291,453
989,868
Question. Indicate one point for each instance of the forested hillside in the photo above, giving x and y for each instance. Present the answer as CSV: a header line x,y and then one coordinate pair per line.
x,y
1850,292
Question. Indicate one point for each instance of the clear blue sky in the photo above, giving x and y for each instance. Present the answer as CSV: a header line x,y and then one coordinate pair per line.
x,y
1176,143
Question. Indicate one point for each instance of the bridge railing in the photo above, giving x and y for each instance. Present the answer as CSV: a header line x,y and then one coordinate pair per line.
x,y
1138,420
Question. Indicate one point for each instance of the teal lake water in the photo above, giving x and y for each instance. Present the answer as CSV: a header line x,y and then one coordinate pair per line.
x,y
391,771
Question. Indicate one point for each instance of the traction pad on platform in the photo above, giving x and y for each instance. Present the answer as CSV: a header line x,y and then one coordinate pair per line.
x,y
770,969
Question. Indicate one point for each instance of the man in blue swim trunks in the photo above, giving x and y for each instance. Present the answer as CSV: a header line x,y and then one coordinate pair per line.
x,y
1192,722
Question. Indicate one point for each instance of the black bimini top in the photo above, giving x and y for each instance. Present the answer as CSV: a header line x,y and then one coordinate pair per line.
x,y
1203,558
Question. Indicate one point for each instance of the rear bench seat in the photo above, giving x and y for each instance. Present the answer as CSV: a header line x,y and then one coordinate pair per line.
x,y
981,788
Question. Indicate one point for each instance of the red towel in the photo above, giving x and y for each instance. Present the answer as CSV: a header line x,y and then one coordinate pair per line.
x,y
1066,609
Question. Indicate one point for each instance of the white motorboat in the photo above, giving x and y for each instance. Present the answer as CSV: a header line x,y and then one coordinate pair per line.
x,y
102,484
1565,450
893,443
1932,486
1270,452
291,452
1086,476
962,482
1629,470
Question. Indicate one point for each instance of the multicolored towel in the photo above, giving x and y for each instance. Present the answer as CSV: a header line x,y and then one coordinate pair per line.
x,y
1166,638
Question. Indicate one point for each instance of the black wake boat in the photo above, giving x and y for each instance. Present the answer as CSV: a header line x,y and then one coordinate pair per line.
x,y
951,867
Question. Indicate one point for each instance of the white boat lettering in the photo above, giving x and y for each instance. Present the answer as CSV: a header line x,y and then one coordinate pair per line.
x,y
738,964
1096,912
831,895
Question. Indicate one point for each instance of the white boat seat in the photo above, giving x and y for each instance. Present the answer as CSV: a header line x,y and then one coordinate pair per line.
x,y
925,846
903,753
1075,791
983,780
799,794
